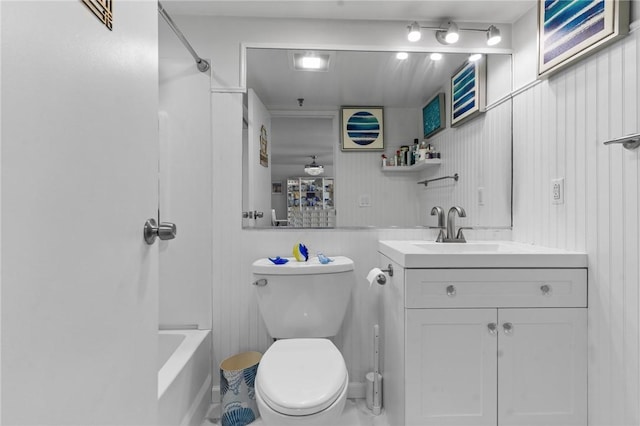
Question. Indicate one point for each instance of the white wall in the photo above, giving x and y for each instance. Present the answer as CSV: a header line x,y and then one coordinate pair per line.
x,y
559,127
185,194
237,323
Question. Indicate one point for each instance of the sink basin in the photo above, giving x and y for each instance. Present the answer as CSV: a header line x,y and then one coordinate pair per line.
x,y
479,254
439,248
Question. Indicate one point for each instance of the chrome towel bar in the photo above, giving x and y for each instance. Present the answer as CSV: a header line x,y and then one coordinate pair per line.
x,y
454,177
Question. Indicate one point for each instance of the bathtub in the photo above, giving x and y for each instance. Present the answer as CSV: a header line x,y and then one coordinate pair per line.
x,y
184,376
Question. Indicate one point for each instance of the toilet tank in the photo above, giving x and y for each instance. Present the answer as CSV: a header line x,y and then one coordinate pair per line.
x,y
303,299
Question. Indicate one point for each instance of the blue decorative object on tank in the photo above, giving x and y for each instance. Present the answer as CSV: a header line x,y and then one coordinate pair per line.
x,y
279,260
300,252
324,259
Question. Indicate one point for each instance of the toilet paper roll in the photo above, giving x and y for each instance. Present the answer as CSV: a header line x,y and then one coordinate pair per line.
x,y
373,274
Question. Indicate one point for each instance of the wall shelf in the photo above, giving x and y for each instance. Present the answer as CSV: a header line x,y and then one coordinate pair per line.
x,y
420,165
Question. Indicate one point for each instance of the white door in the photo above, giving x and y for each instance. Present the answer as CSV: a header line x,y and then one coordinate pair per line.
x,y
79,179
451,368
258,171
542,367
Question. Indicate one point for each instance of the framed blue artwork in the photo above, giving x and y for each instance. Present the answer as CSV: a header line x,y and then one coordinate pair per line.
x,y
572,29
433,116
468,91
362,128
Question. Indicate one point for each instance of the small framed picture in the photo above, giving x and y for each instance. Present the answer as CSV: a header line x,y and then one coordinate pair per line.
x,y
433,116
468,91
572,29
276,187
362,128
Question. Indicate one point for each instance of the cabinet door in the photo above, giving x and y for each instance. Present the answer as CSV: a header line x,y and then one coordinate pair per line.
x,y
451,367
542,357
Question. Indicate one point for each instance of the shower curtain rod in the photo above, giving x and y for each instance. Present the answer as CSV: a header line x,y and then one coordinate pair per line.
x,y
203,64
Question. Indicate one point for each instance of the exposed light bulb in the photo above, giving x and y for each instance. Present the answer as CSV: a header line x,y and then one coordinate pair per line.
x,y
435,56
452,35
414,32
402,55
493,36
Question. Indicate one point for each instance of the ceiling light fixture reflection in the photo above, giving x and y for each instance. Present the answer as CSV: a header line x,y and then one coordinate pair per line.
x,y
402,55
449,33
310,60
314,169
435,56
475,57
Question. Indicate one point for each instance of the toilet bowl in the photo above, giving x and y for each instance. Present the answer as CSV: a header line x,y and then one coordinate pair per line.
x,y
301,381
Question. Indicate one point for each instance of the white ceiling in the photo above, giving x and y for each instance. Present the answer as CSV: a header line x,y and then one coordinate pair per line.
x,y
495,11
356,78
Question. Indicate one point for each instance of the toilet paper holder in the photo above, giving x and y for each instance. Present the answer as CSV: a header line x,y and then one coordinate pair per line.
x,y
381,279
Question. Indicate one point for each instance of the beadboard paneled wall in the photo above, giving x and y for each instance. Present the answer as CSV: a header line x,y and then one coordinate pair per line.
x,y
559,127
480,152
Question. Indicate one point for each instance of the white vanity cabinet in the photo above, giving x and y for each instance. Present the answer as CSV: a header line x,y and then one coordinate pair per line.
x,y
494,346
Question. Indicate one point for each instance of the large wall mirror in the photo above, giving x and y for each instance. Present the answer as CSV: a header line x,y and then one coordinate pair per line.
x,y
292,120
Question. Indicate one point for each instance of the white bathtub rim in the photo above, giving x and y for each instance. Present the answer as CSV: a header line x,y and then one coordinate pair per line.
x,y
183,353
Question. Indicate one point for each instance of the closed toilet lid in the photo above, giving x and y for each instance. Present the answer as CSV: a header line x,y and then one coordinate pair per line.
x,y
298,377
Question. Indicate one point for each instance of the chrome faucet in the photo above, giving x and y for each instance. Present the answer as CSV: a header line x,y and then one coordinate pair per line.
x,y
437,210
451,226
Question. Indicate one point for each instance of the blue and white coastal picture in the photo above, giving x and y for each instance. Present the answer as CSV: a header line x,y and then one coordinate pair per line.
x,y
433,116
362,129
570,29
468,92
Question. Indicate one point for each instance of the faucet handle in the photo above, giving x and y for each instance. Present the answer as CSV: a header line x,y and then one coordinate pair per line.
x,y
460,235
439,211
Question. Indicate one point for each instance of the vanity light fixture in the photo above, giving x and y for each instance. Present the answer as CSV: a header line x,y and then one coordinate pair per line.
x,y
402,56
493,36
314,169
449,33
475,57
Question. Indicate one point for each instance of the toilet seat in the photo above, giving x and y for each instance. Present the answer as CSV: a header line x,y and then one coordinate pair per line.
x,y
300,377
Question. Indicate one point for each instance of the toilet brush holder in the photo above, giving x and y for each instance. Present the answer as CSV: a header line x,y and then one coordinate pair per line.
x,y
374,402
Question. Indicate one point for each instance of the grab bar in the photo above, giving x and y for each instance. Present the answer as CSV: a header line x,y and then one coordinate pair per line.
x,y
454,177
629,142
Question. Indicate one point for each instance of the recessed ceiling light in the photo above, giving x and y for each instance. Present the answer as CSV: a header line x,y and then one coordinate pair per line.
x,y
310,60
435,56
402,55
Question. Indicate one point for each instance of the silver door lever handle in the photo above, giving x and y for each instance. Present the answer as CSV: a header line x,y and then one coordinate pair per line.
x,y
164,231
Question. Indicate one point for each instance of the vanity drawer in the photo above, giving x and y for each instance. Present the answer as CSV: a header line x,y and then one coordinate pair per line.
x,y
495,288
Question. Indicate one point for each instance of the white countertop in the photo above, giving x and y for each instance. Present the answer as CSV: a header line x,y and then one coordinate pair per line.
x,y
479,254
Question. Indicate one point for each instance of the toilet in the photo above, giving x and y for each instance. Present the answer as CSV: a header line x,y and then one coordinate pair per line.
x,y
302,378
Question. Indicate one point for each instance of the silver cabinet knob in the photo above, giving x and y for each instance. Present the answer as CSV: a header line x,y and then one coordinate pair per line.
x,y
508,328
451,290
546,289
493,328
165,231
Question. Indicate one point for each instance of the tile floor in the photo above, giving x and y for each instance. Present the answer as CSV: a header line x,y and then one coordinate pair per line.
x,y
355,413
